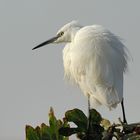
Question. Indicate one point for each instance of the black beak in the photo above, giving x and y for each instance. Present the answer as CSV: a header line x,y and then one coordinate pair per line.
x,y
46,42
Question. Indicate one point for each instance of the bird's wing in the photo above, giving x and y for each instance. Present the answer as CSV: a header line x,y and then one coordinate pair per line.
x,y
99,57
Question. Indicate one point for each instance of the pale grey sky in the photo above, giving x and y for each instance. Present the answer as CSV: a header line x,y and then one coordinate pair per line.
x,y
32,81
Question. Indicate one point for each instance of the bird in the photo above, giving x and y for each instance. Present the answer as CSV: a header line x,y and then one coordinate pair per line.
x,y
95,60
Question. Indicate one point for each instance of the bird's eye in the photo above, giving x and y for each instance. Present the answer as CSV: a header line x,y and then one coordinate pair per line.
x,y
61,33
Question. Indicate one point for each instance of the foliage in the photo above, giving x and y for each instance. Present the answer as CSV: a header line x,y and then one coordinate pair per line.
x,y
86,128
80,120
45,132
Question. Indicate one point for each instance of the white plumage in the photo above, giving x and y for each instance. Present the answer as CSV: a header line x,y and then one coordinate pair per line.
x,y
95,60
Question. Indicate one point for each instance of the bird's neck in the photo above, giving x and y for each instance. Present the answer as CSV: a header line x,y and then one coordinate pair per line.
x,y
74,31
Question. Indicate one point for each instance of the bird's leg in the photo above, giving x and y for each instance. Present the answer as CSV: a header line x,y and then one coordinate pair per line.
x,y
123,111
88,105
89,119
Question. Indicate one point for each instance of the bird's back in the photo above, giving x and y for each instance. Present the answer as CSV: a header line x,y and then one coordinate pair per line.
x,y
96,60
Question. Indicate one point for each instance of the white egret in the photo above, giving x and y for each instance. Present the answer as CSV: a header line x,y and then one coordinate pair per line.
x,y
95,60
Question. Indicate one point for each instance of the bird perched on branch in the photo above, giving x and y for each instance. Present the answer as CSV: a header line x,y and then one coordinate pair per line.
x,y
95,60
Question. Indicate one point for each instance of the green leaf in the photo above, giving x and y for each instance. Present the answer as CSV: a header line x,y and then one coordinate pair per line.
x,y
66,131
95,116
37,130
61,124
78,117
31,133
45,132
53,125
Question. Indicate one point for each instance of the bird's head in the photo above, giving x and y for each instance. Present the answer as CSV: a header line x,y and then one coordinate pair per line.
x,y
64,35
